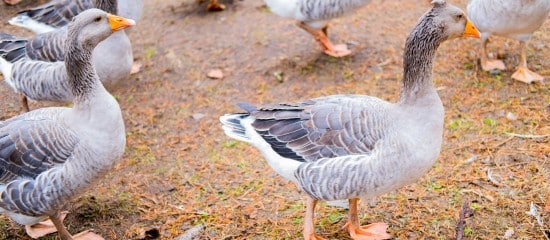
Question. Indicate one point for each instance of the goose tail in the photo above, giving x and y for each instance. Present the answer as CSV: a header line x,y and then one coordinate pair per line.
x,y
25,20
232,125
5,68
12,48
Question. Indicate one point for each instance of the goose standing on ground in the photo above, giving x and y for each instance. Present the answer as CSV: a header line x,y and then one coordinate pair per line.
x,y
51,155
313,16
352,146
44,81
57,14
516,19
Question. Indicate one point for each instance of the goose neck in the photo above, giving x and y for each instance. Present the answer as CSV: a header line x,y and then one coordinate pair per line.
x,y
80,71
420,49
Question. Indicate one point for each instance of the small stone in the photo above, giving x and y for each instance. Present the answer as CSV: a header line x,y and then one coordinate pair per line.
x,y
510,116
376,69
198,116
495,72
215,74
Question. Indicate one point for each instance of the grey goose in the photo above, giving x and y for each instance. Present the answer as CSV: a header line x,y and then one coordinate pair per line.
x,y
516,19
30,66
51,155
314,15
356,146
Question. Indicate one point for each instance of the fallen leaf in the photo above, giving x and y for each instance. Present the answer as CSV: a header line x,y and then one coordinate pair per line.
x,y
136,67
12,2
215,74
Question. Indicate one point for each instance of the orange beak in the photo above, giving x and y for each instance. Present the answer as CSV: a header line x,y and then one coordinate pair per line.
x,y
118,23
471,30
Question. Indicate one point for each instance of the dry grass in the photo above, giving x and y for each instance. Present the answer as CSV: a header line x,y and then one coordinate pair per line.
x,y
179,169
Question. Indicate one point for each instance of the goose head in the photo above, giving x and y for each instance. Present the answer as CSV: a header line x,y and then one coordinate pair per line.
x,y
92,26
449,22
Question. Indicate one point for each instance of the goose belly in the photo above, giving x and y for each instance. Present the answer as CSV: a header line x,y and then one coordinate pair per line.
x,y
315,10
515,19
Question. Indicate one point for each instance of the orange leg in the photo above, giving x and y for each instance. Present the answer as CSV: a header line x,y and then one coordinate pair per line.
x,y
55,224
340,50
309,229
489,64
374,231
523,73
213,5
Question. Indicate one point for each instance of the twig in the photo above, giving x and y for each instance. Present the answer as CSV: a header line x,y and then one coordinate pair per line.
x,y
535,213
471,159
478,193
466,212
192,233
526,135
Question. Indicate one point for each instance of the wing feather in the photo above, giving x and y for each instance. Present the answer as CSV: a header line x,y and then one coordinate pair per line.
x,y
30,146
323,127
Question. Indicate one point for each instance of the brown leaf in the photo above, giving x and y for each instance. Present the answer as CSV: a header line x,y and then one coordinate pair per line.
x,y
136,67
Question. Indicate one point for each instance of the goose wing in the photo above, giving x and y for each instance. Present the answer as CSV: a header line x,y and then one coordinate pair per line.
x,y
41,81
319,128
44,47
32,147
57,13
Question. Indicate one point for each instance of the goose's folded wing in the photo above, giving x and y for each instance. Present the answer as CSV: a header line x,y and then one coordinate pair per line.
x,y
41,81
44,47
31,146
57,13
48,46
12,48
321,128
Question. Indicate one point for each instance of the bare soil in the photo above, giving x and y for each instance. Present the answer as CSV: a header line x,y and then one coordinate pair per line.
x,y
180,170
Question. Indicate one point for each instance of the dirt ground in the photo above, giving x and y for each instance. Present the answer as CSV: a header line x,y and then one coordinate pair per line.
x,y
180,170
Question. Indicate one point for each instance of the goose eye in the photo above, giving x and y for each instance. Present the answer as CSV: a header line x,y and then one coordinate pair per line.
x,y
459,16
97,19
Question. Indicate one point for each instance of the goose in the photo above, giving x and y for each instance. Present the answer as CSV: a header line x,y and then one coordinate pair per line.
x,y
113,60
58,13
314,15
51,155
516,19
356,146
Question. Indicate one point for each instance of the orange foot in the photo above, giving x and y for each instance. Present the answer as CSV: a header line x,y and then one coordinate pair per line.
x,y
340,50
527,76
491,64
214,6
373,231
